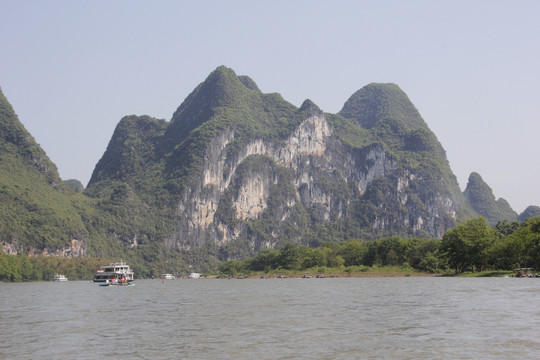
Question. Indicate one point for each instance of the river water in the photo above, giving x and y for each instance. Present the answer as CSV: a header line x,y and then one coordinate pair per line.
x,y
341,318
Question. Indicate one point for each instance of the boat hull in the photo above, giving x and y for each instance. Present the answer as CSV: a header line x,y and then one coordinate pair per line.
x,y
109,284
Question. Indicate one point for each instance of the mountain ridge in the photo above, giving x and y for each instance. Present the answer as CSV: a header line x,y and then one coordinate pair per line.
x,y
224,122
378,101
481,199
236,171
36,207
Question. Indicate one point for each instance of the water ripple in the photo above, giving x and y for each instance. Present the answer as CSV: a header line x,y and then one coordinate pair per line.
x,y
392,318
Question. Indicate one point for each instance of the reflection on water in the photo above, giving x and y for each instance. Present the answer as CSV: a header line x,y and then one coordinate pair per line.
x,y
346,318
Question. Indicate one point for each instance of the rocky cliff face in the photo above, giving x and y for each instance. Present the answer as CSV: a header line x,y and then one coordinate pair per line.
x,y
241,170
236,171
306,148
367,188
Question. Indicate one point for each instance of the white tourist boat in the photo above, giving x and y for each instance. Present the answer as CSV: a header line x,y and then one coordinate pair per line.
x,y
59,278
115,273
167,277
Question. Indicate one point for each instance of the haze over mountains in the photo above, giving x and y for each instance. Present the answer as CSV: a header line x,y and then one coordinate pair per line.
x,y
236,171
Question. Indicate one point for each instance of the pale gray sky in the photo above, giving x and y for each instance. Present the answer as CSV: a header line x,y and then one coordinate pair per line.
x,y
73,69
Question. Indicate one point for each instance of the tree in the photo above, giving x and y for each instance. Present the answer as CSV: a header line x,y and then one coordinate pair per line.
x,y
265,260
523,245
419,249
392,251
505,227
466,247
232,268
429,263
10,269
313,257
353,252
290,257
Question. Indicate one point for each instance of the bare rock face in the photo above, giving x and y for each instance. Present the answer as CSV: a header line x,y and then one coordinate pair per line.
x,y
306,145
309,151
77,248
250,169
236,171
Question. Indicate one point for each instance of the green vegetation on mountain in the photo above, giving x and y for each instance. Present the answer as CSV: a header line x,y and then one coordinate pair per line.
x,y
222,102
376,102
167,195
481,199
36,208
530,211
74,184
131,157
41,214
387,117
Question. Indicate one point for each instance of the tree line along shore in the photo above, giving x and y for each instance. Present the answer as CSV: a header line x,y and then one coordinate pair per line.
x,y
473,247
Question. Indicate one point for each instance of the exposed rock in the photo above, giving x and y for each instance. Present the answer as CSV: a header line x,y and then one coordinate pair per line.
x,y
249,168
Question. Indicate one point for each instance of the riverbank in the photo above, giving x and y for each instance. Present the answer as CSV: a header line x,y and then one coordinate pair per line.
x,y
365,272
389,271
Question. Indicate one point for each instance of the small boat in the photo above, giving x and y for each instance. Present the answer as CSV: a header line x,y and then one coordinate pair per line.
x,y
167,277
116,284
60,278
525,273
118,273
194,275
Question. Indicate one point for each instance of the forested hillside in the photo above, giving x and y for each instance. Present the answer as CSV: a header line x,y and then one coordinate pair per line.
x,y
236,171
37,210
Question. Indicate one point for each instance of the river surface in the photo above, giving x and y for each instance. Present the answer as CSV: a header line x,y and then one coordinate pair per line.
x,y
340,318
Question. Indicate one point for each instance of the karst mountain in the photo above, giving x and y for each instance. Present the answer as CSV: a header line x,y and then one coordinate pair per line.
x,y
236,171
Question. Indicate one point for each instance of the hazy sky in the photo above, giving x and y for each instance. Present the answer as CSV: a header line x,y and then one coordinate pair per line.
x,y
73,69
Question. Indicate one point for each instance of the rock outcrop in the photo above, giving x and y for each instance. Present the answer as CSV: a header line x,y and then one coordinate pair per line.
x,y
236,171
249,168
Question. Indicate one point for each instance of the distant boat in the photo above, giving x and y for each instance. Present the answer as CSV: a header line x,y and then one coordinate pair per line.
x,y
194,275
167,277
60,278
114,273
116,284
525,273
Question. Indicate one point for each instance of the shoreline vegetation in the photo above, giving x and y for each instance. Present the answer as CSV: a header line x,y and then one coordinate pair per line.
x,y
471,249
20,268
370,273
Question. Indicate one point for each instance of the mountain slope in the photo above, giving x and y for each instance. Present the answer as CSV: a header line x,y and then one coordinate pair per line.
x,y
480,198
376,102
242,170
236,171
530,211
36,208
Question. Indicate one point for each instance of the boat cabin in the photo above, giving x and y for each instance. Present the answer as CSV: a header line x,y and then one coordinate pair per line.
x,y
119,270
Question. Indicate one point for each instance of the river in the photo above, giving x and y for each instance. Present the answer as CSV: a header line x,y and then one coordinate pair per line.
x,y
341,318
